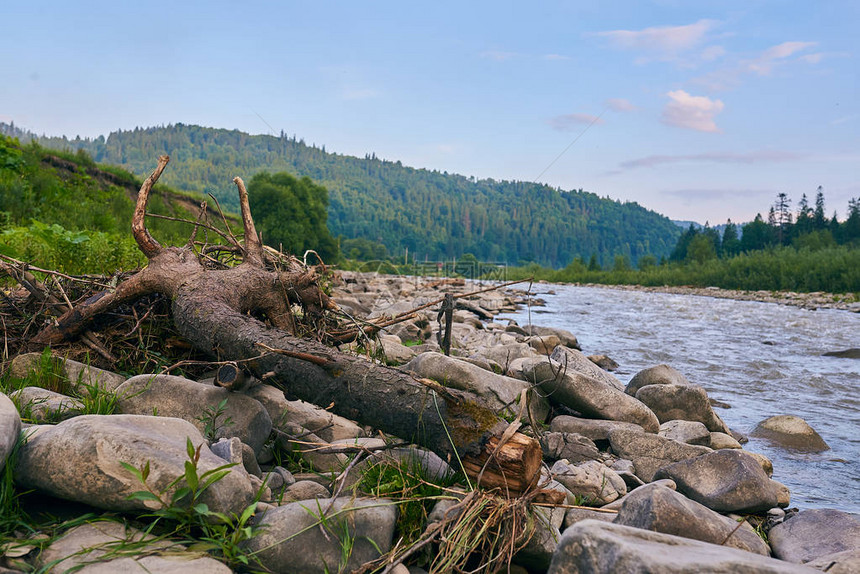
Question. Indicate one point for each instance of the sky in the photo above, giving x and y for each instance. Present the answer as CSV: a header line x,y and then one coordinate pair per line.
x,y
699,110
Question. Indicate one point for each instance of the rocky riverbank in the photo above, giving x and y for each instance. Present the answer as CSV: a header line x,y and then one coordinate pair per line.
x,y
816,300
642,476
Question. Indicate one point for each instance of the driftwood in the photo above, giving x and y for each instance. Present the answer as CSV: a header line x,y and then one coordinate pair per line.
x,y
244,314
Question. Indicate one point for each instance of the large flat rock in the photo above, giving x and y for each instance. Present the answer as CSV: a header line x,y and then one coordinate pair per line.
x,y
596,547
650,452
812,534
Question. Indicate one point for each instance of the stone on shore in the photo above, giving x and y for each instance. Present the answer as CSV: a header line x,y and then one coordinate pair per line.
x,y
604,362
657,375
725,481
812,534
326,425
567,338
593,480
79,459
605,548
650,452
681,402
97,548
594,429
847,562
499,391
574,360
689,432
197,403
10,428
73,372
587,395
721,440
572,447
791,432
657,508
43,405
293,542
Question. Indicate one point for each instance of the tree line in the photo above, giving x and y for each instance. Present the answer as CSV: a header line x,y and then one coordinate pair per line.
x,y
382,207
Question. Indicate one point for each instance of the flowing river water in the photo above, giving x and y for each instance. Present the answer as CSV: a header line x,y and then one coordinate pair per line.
x,y
763,359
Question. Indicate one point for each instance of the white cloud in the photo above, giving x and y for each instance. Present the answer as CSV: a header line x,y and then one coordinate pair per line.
x,y
570,122
767,60
620,105
759,156
666,40
813,58
692,112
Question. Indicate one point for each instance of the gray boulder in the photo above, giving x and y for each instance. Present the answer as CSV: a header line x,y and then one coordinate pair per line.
x,y
604,548
574,360
681,402
651,452
567,338
574,515
170,396
813,534
791,432
543,344
658,375
42,405
587,395
722,440
79,459
326,425
689,432
594,429
297,538
725,481
847,562
657,508
506,354
593,480
97,548
604,362
499,391
569,446
73,372
305,490
10,428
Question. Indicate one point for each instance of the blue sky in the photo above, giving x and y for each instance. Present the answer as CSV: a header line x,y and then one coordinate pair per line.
x,y
699,110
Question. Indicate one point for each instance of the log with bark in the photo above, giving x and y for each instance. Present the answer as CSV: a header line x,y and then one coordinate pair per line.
x,y
244,314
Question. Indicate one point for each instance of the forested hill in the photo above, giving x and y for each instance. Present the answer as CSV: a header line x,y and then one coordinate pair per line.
x,y
435,215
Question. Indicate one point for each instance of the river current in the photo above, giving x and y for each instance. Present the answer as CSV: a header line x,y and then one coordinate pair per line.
x,y
762,359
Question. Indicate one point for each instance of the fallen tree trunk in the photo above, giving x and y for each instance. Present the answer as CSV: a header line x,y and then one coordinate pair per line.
x,y
243,314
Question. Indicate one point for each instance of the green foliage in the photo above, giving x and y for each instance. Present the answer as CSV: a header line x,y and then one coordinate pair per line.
x,y
434,215
49,374
182,515
214,420
291,214
407,483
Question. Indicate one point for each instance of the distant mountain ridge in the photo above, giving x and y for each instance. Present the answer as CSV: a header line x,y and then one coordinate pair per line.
x,y
432,214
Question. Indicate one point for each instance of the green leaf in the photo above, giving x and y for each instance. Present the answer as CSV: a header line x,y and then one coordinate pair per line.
x,y
191,475
247,513
143,495
133,470
181,493
189,448
213,478
202,509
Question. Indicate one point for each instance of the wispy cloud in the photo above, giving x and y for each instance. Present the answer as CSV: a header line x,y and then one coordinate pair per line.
x,y
844,119
764,64
498,55
760,156
691,112
620,105
571,122
666,41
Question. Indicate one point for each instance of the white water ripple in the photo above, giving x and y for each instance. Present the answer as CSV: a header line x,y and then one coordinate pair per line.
x,y
763,359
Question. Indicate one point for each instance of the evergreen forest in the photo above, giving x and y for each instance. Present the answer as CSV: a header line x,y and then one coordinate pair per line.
x,y
379,208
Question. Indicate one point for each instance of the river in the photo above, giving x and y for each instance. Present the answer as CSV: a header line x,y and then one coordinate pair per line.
x,y
763,359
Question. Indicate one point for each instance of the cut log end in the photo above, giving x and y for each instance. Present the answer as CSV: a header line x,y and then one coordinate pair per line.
x,y
514,468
